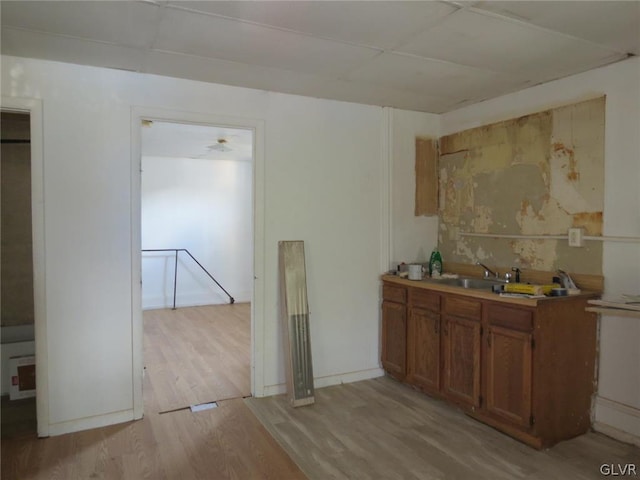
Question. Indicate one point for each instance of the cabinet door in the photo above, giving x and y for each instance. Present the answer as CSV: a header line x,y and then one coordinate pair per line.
x,y
461,343
394,339
508,375
423,349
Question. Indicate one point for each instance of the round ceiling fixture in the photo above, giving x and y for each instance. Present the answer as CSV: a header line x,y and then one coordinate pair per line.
x,y
220,146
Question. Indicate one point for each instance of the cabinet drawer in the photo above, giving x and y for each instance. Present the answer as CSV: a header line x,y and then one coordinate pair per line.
x,y
510,317
463,307
394,293
426,299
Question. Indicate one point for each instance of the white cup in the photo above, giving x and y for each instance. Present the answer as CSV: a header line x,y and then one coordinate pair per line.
x,y
415,272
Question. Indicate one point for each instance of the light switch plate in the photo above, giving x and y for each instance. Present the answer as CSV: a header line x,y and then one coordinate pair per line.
x,y
576,237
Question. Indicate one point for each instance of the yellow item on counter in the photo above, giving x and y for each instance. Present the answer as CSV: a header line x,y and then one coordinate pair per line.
x,y
529,289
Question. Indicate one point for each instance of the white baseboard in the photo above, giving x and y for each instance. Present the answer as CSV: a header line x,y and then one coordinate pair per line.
x,y
328,381
617,420
9,350
90,422
192,300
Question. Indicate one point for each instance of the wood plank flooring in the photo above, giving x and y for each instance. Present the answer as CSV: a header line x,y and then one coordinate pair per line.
x,y
381,429
375,429
227,442
195,355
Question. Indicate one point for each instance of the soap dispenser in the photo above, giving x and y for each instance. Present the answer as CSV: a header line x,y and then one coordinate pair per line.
x,y
435,264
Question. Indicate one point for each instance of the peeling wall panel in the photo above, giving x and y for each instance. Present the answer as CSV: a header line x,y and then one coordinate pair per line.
x,y
535,175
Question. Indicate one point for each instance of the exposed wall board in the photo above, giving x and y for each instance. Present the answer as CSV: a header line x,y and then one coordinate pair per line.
x,y
535,175
426,176
17,260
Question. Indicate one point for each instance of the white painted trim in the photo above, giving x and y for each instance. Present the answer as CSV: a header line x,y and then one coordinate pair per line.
x,y
613,432
34,107
137,358
386,160
194,300
138,113
328,381
604,238
87,423
386,207
617,420
258,303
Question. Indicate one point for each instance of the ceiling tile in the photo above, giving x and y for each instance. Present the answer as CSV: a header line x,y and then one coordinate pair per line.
x,y
22,43
231,73
371,94
215,37
423,55
431,77
125,23
382,24
612,23
503,45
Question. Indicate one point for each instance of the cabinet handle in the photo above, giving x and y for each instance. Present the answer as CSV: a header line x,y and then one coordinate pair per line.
x,y
435,328
446,328
489,339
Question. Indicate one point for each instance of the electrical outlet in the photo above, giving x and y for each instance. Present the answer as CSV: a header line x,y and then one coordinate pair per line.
x,y
575,237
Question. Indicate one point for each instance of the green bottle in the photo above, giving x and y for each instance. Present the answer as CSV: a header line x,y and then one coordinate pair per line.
x,y
435,264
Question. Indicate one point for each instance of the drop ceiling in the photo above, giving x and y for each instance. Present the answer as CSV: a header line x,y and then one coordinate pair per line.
x,y
427,56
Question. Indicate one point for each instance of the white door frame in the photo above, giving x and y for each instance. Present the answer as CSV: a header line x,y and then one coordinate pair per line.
x,y
257,301
33,107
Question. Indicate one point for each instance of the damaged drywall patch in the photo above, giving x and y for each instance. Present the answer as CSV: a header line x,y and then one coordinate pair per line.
x,y
539,174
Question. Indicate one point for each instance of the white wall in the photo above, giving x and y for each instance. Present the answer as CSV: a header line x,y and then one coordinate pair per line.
x,y
202,205
325,176
412,238
324,168
618,403
323,172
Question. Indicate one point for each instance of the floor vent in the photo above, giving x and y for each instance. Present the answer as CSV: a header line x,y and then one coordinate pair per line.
x,y
203,406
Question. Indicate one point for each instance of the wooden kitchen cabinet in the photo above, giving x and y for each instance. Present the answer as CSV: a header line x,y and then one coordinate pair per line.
x,y
508,363
394,331
461,350
526,368
539,370
423,340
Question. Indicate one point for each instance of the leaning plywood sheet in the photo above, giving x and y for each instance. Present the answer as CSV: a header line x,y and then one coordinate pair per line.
x,y
295,320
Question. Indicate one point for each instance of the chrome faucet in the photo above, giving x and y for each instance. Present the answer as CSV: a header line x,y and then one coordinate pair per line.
x,y
487,271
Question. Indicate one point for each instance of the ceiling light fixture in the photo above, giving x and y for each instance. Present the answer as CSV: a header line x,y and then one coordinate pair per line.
x,y
221,146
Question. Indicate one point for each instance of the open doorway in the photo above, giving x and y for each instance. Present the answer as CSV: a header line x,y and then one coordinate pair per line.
x,y
17,279
197,262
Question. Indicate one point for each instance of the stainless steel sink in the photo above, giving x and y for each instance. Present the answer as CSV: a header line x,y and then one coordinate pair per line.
x,y
466,282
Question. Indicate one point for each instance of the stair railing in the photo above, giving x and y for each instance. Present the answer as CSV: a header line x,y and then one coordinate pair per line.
x,y
175,271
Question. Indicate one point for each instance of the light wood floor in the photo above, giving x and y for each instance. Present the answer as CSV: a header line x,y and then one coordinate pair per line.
x,y
197,354
381,429
375,429
227,442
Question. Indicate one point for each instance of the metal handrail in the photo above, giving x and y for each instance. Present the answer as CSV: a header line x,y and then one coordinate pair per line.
x,y
175,271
